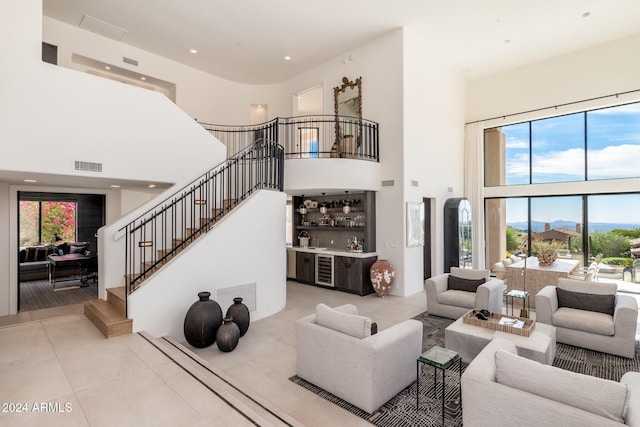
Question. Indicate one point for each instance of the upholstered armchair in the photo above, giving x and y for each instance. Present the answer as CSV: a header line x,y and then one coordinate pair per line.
x,y
453,294
590,315
337,351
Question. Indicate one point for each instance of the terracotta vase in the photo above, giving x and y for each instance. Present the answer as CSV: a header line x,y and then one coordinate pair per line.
x,y
382,277
202,321
228,335
240,314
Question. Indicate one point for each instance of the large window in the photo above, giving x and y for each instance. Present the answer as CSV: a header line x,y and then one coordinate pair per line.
x,y
553,149
46,222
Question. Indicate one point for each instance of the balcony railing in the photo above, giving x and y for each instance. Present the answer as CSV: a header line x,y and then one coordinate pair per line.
x,y
307,136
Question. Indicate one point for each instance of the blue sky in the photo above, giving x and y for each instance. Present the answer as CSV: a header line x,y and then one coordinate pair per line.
x,y
557,150
613,136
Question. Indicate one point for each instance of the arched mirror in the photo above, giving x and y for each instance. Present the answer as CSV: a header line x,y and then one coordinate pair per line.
x,y
348,114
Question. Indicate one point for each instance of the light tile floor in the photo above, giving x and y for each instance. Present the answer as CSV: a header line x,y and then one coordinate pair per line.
x,y
60,360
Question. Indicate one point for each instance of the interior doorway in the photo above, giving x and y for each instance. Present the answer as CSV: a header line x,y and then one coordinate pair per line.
x,y
63,226
427,238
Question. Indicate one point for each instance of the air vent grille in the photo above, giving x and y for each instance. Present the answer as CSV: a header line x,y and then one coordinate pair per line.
x,y
129,61
388,183
87,166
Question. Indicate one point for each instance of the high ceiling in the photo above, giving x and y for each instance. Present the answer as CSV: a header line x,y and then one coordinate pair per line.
x,y
247,40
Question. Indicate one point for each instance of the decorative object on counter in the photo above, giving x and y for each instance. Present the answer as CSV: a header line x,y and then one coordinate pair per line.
x,y
240,314
547,257
382,277
304,239
355,245
228,335
202,321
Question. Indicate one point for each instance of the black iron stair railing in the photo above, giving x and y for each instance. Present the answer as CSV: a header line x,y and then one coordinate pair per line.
x,y
156,236
318,136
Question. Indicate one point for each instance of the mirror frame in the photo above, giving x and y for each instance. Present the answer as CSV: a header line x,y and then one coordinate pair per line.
x,y
357,85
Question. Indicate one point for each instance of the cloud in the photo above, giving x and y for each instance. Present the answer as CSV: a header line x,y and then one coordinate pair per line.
x,y
622,109
516,143
609,162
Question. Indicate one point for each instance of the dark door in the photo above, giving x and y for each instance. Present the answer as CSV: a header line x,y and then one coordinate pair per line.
x,y
427,238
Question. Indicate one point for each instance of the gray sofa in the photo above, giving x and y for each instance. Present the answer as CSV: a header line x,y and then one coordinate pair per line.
x,y
34,264
453,303
336,351
613,333
500,388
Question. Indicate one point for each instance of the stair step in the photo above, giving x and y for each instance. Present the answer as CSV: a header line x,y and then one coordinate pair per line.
x,y
117,298
107,318
229,203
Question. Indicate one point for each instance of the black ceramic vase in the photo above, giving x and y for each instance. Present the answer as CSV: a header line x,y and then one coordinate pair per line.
x,y
202,321
228,335
240,314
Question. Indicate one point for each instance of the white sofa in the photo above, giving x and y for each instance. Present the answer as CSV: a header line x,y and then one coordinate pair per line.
x,y
613,334
453,304
500,388
336,351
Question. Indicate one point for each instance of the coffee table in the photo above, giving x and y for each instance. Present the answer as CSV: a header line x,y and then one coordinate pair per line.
x,y
468,340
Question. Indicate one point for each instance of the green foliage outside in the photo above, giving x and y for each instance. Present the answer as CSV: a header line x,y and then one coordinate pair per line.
x,y
630,234
623,262
513,239
543,245
609,244
58,218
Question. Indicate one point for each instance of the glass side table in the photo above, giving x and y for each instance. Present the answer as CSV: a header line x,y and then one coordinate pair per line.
x,y
514,294
439,358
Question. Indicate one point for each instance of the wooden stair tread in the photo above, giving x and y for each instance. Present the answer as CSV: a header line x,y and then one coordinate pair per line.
x,y
107,318
118,292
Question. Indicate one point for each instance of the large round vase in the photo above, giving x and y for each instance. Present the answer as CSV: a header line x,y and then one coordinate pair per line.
x,y
382,277
240,314
202,321
228,335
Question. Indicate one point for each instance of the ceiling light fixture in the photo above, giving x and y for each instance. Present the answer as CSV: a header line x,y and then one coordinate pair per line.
x,y
30,180
193,51
507,41
586,14
287,58
152,186
106,67
143,78
115,186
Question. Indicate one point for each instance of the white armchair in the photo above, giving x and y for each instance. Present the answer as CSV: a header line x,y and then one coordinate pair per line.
x,y
454,303
578,321
336,352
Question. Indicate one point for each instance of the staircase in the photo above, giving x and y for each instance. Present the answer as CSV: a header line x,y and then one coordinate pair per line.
x,y
154,238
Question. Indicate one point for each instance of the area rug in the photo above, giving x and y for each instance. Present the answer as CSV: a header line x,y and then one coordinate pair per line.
x,y
401,410
39,294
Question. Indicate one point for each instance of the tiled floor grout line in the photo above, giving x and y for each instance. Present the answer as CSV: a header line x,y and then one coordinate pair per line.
x,y
231,405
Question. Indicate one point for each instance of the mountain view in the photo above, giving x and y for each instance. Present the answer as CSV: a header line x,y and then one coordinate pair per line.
x,y
538,226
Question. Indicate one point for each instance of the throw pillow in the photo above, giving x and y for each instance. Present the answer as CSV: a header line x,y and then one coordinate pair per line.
x,y
76,249
460,284
598,396
584,301
350,324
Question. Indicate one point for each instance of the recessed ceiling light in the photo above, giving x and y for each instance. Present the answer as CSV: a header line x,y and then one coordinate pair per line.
x,y
30,180
143,78
287,58
193,51
152,186
106,67
586,14
507,41
115,186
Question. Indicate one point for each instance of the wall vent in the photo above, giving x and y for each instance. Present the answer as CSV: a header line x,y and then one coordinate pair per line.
x,y
87,166
129,61
415,183
389,183
103,28
224,296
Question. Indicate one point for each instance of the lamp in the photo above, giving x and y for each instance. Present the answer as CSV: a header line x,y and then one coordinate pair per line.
x,y
323,206
346,205
145,244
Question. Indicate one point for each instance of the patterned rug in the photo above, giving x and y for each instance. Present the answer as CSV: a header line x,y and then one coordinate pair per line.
x,y
401,411
39,294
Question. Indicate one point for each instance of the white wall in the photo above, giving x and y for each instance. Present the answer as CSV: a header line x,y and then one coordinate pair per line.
x,y
252,253
433,143
606,69
332,175
208,98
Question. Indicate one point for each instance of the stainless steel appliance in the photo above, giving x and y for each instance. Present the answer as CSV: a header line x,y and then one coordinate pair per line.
x,y
324,270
